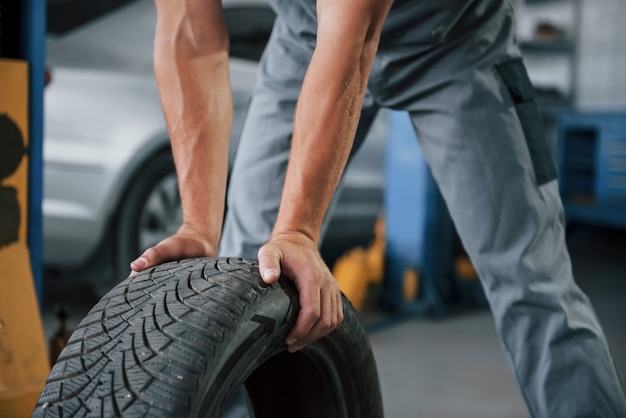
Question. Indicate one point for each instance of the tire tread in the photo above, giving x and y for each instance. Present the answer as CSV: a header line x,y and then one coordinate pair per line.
x,y
143,349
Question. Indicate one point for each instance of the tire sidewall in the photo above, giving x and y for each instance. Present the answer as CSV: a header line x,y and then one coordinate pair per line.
x,y
252,344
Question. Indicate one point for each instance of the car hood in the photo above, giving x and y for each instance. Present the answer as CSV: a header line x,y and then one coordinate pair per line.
x,y
103,73
118,41
109,105
85,103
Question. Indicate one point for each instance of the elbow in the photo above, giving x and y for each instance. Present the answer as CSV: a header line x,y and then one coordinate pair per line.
x,y
204,42
184,35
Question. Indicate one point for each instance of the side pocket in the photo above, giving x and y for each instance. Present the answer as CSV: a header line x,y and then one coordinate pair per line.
x,y
514,74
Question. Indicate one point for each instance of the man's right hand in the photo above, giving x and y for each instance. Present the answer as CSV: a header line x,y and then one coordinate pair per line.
x,y
186,243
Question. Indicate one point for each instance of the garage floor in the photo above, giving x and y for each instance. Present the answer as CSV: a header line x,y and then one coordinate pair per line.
x,y
453,366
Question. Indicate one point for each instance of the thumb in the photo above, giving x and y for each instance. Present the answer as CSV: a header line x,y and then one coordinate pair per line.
x,y
149,258
269,263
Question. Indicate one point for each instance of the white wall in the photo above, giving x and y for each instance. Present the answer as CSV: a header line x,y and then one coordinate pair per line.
x,y
551,68
596,73
601,79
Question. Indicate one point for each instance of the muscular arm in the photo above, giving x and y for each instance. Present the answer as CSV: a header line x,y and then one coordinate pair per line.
x,y
191,69
325,123
192,73
328,110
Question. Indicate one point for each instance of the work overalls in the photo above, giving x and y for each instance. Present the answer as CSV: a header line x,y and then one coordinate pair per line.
x,y
455,67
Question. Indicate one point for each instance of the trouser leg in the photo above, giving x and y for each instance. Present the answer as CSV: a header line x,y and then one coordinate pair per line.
x,y
512,228
260,164
472,107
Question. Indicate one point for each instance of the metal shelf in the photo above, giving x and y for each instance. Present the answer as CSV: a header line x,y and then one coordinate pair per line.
x,y
552,45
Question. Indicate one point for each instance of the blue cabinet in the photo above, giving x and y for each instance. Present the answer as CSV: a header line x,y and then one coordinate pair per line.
x,y
420,236
592,167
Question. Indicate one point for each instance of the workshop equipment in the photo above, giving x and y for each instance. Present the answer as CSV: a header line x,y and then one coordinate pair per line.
x,y
592,167
426,268
24,363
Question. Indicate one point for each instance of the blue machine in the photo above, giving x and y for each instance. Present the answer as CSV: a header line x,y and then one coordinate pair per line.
x,y
592,167
420,235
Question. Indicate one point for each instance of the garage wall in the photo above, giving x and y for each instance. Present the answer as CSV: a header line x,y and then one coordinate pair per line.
x,y
601,83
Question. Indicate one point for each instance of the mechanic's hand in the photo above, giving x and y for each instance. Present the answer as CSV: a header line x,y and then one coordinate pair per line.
x,y
299,260
186,243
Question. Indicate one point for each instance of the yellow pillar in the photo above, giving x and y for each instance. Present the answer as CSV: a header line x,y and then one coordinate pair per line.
x,y
24,365
360,267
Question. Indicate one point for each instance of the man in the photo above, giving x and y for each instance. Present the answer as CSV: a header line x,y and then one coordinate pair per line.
x,y
328,67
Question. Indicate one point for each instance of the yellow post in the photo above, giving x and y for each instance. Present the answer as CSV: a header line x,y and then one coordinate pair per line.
x,y
359,268
24,365
351,273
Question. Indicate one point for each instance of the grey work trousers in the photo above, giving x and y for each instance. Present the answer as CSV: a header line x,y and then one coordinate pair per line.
x,y
455,67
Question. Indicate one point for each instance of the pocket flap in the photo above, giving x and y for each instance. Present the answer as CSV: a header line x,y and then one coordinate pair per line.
x,y
516,78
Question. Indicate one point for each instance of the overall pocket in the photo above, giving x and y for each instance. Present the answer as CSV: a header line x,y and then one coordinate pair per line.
x,y
514,74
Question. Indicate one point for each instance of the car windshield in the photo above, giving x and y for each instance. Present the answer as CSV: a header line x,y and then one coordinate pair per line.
x,y
118,35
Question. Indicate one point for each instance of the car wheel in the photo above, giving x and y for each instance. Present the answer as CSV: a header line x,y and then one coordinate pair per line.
x,y
149,213
204,337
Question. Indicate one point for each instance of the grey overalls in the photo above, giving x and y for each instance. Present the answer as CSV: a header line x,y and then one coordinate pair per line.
x,y
455,67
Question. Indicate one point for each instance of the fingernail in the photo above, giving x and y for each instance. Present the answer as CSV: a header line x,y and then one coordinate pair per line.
x,y
291,341
138,263
269,274
294,348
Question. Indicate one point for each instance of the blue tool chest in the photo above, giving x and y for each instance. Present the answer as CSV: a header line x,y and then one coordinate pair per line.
x,y
592,167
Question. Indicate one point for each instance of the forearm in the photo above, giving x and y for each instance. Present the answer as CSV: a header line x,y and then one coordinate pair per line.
x,y
328,112
191,69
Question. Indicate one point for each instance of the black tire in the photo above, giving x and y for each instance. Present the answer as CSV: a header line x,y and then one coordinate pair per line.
x,y
183,339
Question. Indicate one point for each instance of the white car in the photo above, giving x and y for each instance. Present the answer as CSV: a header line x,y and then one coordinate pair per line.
x,y
110,189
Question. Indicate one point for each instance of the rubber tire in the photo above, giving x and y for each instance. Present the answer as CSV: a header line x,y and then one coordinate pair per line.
x,y
180,339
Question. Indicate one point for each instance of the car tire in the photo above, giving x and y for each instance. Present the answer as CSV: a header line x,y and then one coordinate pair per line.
x,y
149,212
184,338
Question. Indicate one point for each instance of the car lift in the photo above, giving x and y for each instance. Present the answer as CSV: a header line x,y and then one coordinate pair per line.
x,y
24,364
412,259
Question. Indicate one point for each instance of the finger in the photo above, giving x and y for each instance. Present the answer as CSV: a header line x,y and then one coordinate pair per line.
x,y
310,311
339,309
327,319
334,313
149,258
269,263
139,264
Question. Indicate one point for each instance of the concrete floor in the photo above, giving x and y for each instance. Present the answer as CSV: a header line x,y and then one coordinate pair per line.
x,y
453,366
